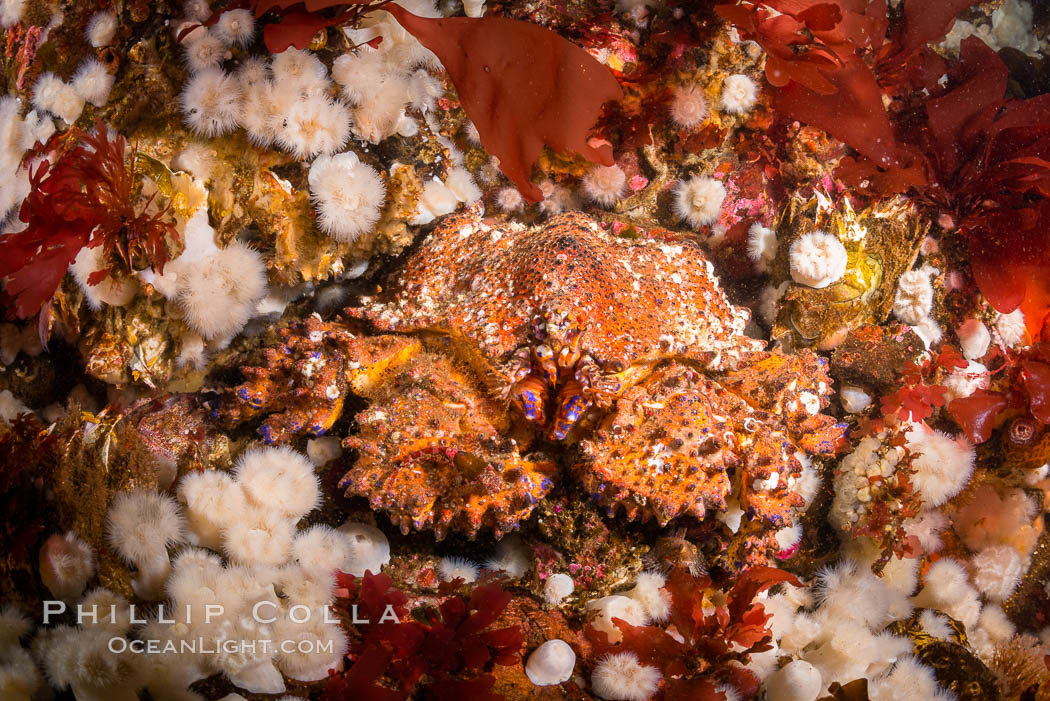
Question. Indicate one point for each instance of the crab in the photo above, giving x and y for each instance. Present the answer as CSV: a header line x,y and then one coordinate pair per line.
x,y
503,354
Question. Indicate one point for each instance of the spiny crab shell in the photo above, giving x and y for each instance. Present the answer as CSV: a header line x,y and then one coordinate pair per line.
x,y
506,351
563,317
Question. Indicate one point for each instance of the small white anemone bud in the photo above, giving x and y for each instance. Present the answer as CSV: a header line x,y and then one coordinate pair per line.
x,y
436,201
698,200
323,450
347,195
974,339
557,587
604,185
854,399
101,29
509,199
141,525
605,609
688,106
650,593
278,480
198,10
551,663
913,299
451,568
66,565
620,677
739,94
817,259
761,246
796,681
369,549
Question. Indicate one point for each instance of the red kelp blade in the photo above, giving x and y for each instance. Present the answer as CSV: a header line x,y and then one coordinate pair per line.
x,y
853,114
1037,383
297,28
522,85
978,413
926,21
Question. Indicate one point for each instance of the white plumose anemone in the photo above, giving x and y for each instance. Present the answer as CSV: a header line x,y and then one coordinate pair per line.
x,y
101,29
698,201
279,480
997,570
1011,327
217,295
211,499
315,647
141,525
688,106
605,609
461,183
211,103
620,677
650,593
313,126
795,681
913,299
93,82
761,246
943,465
739,94
604,185
204,50
817,259
235,27
452,568
347,195
66,565
110,290
551,663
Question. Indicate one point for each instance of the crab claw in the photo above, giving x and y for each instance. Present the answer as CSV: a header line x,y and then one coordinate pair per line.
x,y
571,404
529,396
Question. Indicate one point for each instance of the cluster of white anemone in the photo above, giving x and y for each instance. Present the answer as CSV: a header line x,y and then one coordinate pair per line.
x,y
90,83
272,581
17,135
20,678
216,289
